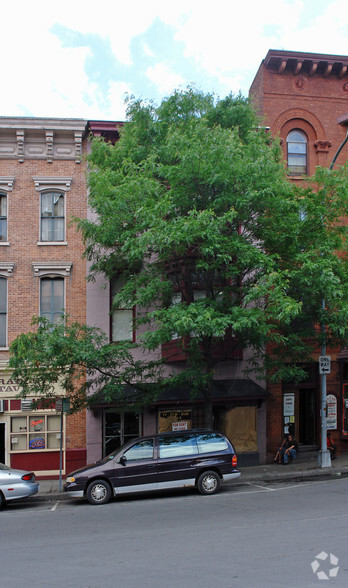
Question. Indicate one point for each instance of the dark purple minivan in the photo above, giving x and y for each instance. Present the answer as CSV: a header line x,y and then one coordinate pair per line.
x,y
203,459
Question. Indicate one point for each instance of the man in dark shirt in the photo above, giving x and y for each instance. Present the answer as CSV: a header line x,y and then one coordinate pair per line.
x,y
291,450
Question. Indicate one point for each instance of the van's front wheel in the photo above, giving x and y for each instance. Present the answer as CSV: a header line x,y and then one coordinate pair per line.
x,y
208,483
98,492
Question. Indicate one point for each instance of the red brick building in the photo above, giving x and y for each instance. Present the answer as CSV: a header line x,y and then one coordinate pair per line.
x,y
303,98
42,272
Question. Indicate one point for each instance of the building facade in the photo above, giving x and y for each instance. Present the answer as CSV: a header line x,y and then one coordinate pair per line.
x,y
42,272
238,403
303,99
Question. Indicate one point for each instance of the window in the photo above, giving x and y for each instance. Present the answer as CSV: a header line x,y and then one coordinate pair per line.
x,y
3,311
52,216
177,446
141,450
121,318
52,298
211,442
296,142
34,432
3,217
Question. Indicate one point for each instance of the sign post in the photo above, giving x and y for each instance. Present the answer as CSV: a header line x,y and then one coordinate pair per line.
x,y
62,406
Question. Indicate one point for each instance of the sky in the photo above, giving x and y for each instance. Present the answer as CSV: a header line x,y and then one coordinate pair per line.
x,y
81,59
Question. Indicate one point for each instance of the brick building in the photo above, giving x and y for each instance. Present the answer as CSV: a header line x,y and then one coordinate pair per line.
x,y
303,98
42,272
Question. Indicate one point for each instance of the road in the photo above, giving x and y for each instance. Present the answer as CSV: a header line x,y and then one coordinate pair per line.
x,y
246,536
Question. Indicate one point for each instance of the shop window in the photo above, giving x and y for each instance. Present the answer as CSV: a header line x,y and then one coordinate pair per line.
x,y
122,319
52,216
52,298
296,142
3,217
39,431
3,312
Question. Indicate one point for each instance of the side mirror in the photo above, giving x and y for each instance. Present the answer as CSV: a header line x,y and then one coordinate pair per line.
x,y
123,460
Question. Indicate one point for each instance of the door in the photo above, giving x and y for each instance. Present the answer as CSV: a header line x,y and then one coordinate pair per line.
x,y
119,428
306,416
136,470
2,442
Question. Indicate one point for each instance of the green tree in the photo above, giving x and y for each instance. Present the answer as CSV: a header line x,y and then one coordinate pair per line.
x,y
216,250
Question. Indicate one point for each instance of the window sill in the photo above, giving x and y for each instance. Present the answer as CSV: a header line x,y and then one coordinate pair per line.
x,y
4,349
52,243
4,243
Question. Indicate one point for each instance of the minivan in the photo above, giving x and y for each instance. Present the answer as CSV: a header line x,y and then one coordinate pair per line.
x,y
197,458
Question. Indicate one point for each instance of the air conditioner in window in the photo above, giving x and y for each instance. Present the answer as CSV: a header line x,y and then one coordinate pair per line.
x,y
26,404
1,405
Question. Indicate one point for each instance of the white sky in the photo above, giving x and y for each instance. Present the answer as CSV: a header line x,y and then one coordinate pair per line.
x,y
79,59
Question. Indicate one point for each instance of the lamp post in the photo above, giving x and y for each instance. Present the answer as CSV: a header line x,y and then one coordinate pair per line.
x,y
324,459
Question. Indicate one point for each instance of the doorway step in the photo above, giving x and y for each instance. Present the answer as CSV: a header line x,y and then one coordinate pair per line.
x,y
308,453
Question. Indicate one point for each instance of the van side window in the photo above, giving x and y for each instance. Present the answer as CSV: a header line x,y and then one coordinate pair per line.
x,y
177,446
141,450
211,442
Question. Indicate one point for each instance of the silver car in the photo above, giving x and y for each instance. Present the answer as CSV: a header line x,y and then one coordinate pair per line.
x,y
16,484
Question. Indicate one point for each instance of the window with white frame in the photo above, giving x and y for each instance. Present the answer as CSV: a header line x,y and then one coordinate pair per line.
x,y
52,216
296,142
52,298
33,432
3,312
3,217
121,318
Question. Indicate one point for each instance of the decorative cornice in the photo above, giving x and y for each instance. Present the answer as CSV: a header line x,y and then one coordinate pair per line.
x,y
40,138
56,268
310,64
322,146
52,183
6,268
6,183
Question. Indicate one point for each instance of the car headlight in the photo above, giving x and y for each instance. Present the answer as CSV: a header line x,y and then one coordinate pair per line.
x,y
70,479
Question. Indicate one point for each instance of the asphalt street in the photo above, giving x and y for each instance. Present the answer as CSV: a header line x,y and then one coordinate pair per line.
x,y
248,535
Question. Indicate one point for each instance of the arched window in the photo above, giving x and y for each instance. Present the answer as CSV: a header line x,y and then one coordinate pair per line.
x,y
296,142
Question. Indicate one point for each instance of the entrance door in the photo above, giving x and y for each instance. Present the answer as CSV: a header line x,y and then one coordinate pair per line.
x,y
2,442
306,416
119,428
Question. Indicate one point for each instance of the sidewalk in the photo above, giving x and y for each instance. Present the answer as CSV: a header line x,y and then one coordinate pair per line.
x,y
298,471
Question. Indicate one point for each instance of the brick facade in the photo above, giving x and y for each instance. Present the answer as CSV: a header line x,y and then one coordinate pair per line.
x,y
308,92
36,156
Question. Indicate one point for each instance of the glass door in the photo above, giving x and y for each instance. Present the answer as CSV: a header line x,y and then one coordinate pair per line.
x,y
119,428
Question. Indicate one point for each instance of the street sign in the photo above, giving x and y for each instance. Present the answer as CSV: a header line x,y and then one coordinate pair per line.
x,y
62,404
324,364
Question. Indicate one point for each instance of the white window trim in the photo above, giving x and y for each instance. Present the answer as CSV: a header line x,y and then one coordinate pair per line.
x,y
6,185
54,268
52,184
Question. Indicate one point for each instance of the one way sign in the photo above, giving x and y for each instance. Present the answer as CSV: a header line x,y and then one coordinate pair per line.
x,y
325,364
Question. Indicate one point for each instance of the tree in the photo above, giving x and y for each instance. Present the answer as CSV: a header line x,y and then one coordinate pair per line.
x,y
216,250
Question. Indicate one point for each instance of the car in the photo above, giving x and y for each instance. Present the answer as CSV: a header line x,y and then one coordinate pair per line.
x,y
15,484
198,458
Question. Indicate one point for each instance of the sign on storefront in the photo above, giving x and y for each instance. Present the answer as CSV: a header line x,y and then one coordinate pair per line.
x,y
331,412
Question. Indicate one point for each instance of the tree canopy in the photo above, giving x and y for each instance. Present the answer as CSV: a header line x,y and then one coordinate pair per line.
x,y
215,248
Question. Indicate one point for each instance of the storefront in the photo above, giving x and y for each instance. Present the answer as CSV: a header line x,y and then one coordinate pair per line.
x,y
239,409
31,439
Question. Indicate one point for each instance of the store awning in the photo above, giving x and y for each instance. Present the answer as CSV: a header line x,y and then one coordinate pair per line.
x,y
234,390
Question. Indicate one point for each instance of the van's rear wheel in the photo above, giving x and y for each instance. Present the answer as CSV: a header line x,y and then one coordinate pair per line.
x,y
98,492
208,483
